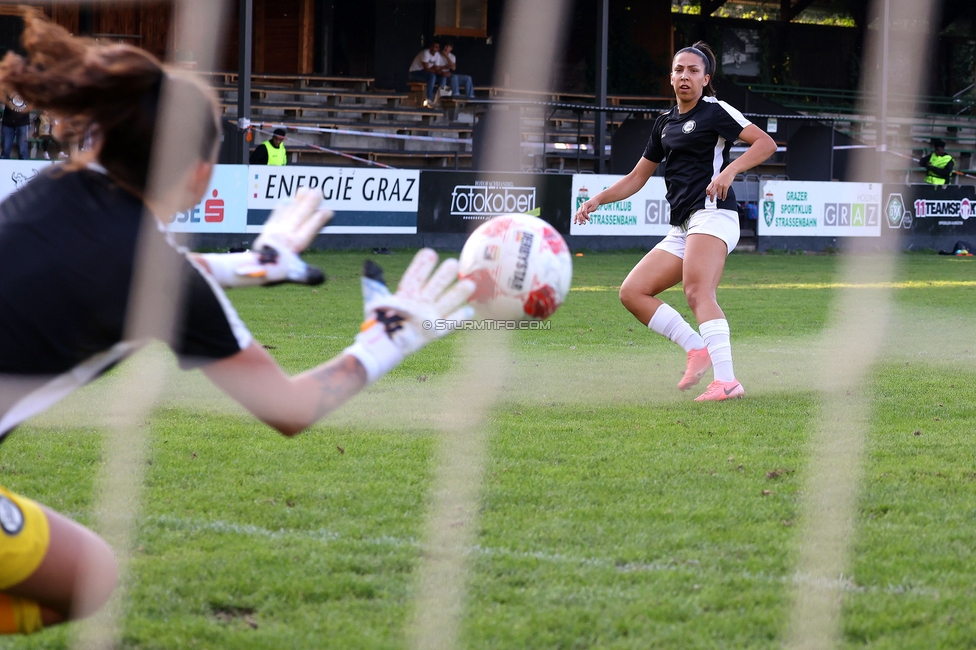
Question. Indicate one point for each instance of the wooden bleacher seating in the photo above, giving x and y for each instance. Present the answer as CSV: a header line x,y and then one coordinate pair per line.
x,y
360,84
352,106
367,112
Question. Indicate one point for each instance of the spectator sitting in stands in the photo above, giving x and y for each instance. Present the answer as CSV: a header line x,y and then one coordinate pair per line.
x,y
270,152
426,68
938,166
448,64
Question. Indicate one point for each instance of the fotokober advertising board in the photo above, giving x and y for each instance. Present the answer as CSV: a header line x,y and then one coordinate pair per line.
x,y
459,202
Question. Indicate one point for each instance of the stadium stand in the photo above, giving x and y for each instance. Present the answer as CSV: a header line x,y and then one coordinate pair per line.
x,y
329,114
348,115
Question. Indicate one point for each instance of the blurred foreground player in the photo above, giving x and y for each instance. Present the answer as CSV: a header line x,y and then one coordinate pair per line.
x,y
69,240
694,138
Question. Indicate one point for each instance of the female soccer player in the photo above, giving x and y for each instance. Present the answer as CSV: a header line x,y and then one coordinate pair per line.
x,y
694,138
68,242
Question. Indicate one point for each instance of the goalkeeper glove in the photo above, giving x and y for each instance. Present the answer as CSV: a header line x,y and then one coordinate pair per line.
x,y
274,258
425,307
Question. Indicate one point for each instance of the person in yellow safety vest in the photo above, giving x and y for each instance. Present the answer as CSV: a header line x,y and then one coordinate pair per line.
x,y
270,152
938,166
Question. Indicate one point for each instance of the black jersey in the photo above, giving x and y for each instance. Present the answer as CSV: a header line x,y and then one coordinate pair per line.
x,y
696,146
67,245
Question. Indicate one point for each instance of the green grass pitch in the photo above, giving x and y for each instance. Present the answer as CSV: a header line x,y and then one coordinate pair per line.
x,y
615,512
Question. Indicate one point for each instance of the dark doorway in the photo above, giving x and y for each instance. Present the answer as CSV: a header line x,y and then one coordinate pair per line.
x,y
11,28
404,28
354,45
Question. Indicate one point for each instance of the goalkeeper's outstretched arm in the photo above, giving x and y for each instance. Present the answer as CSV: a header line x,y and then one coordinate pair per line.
x,y
393,329
289,404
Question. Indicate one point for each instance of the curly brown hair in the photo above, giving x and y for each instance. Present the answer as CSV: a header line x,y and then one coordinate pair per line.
x,y
112,91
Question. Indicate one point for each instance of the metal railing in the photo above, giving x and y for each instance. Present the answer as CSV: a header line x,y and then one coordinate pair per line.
x,y
833,99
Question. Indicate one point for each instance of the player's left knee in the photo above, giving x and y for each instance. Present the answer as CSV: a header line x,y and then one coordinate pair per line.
x,y
631,294
698,296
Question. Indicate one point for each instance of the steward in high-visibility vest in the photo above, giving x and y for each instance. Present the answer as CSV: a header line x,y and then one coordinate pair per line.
x,y
271,152
276,155
938,166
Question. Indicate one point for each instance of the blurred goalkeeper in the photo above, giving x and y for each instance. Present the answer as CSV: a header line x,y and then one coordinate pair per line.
x,y
68,242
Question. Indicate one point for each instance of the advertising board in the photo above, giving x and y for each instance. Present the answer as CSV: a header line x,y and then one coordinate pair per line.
x,y
819,209
645,213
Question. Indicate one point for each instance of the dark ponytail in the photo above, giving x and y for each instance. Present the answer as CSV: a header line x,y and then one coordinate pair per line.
x,y
112,91
703,51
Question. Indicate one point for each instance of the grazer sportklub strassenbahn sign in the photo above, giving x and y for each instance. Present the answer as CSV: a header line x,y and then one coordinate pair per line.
x,y
818,209
644,213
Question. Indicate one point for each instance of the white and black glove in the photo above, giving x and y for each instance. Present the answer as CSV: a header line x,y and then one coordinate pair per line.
x,y
274,258
428,305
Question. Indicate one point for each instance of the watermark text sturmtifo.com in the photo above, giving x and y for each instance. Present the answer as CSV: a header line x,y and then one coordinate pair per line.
x,y
487,324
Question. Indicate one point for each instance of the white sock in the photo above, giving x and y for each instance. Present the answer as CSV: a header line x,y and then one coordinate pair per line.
x,y
668,323
716,336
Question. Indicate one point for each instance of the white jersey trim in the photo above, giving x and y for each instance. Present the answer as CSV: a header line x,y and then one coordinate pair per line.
x,y
731,110
237,326
718,157
64,384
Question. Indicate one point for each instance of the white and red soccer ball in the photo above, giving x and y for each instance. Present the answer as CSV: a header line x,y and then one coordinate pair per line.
x,y
520,265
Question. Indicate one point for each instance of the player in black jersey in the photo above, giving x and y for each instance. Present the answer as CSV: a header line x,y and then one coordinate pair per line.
x,y
68,242
694,138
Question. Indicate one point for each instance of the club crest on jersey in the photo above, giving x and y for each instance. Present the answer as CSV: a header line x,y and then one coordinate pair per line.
x,y
688,127
11,518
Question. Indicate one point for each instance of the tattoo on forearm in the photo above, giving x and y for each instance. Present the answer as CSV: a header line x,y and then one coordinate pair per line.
x,y
337,382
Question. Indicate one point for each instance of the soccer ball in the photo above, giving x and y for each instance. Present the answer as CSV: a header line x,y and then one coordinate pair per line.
x,y
520,265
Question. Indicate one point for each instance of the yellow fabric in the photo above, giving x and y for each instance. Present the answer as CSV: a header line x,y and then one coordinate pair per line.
x,y
29,620
24,538
939,162
19,615
276,156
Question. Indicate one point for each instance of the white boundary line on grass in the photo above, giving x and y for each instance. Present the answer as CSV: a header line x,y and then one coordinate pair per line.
x,y
326,537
